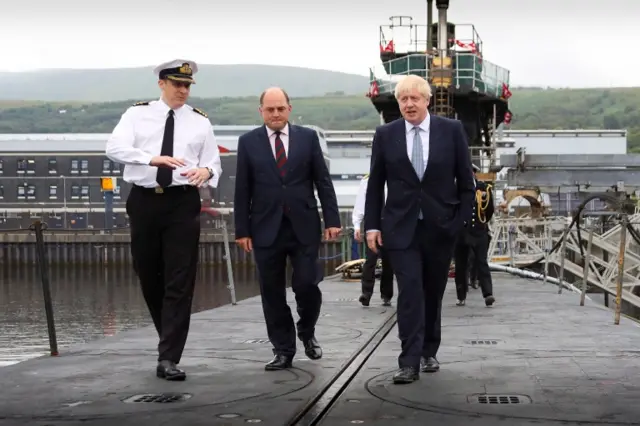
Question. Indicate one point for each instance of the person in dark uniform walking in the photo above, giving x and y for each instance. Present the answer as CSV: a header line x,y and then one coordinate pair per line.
x,y
371,259
475,237
169,150
276,216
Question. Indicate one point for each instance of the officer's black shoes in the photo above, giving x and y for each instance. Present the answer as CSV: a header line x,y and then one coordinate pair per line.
x,y
279,362
386,301
489,300
405,375
364,299
169,371
460,303
429,365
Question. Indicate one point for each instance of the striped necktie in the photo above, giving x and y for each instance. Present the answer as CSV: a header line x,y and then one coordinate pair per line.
x,y
281,156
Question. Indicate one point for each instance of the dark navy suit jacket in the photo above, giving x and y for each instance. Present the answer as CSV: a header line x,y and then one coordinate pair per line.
x,y
445,192
262,195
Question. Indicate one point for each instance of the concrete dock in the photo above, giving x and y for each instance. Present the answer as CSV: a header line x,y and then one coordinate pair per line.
x,y
536,357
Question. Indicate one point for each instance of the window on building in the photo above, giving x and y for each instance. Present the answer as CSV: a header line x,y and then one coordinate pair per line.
x,y
75,166
115,167
53,166
1,192
22,166
116,195
22,192
84,166
1,166
31,192
84,192
53,192
75,192
31,166
106,166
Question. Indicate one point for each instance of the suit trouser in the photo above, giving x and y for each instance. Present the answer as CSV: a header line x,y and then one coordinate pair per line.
x,y
165,232
272,265
369,274
422,270
479,244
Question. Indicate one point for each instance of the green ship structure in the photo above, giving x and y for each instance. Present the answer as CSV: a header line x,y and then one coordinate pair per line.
x,y
464,84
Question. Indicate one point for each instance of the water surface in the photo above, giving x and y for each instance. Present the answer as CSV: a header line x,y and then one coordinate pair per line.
x,y
91,303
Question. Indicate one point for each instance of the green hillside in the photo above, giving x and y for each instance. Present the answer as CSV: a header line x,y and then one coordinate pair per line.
x,y
212,81
532,108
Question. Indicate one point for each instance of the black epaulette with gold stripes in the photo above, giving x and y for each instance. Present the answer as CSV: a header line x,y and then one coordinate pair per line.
x,y
202,113
141,103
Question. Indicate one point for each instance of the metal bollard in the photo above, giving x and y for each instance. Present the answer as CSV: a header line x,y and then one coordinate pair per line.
x,y
43,267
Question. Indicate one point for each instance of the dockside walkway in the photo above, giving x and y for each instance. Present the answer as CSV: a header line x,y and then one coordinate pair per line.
x,y
535,358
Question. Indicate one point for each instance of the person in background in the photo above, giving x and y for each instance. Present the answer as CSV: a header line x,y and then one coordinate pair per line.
x,y
371,258
276,216
475,238
169,150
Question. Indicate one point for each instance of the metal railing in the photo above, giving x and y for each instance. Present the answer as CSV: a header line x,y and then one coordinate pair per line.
x,y
469,71
608,261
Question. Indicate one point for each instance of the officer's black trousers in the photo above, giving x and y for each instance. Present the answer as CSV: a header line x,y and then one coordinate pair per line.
x,y
479,244
473,267
369,274
165,232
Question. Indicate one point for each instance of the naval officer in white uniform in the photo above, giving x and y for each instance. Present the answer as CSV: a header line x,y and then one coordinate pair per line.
x,y
169,150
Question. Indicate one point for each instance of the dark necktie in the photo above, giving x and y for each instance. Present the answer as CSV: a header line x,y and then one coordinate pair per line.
x,y
281,156
165,174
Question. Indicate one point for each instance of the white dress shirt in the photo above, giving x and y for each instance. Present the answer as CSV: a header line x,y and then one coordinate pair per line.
x,y
358,209
138,137
424,128
284,137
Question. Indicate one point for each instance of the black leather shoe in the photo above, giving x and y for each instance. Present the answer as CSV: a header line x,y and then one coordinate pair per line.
x,y
386,301
429,365
169,371
489,300
279,362
364,299
312,348
405,375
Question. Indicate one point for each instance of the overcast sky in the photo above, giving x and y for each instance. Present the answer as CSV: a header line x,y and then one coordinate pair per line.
x,y
560,43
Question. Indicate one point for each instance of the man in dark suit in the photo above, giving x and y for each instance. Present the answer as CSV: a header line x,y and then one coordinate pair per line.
x,y
276,215
425,162
475,239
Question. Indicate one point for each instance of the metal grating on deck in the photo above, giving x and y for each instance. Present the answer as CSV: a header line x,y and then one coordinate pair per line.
x,y
484,342
500,399
257,341
161,398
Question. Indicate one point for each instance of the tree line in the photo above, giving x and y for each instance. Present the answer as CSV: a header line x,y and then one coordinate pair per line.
x,y
532,108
